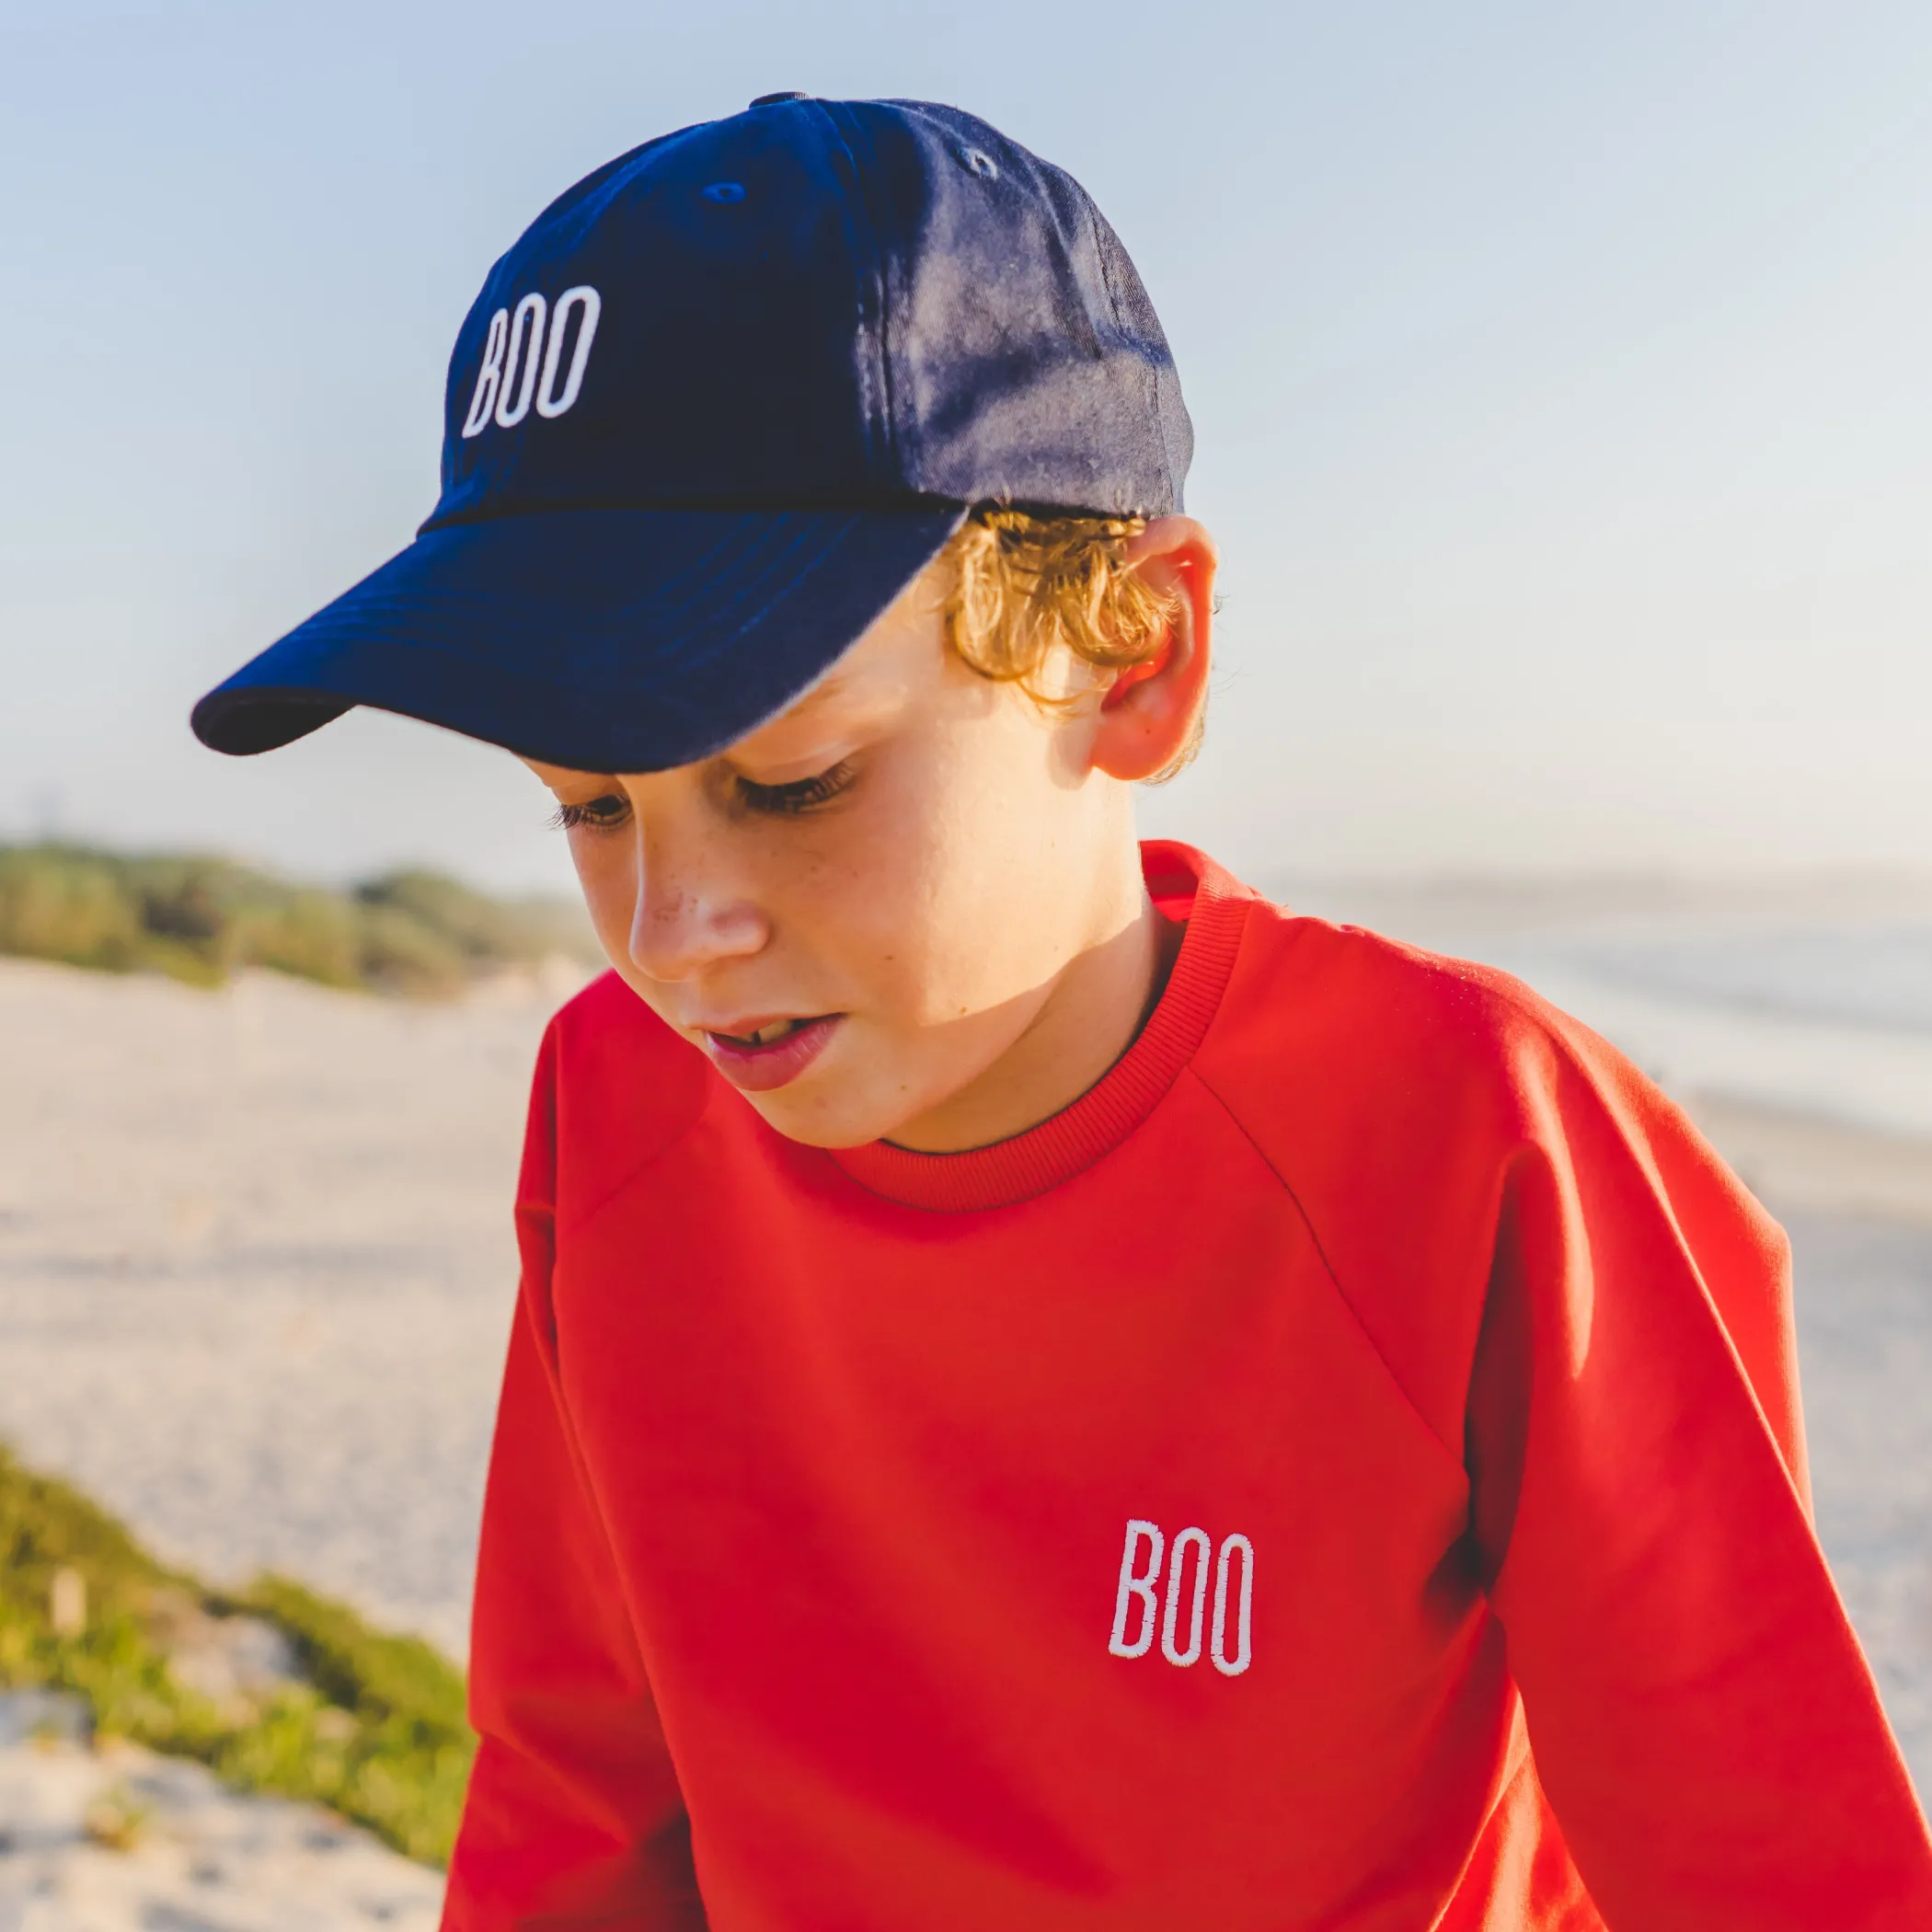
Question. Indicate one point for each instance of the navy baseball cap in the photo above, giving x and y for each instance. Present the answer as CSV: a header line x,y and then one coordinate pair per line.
x,y
717,407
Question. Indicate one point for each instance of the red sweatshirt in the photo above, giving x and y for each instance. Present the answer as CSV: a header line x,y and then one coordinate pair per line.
x,y
1345,1471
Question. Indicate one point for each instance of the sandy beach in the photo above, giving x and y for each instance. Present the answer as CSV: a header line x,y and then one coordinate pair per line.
x,y
256,1275
1865,1341
119,1840
256,1267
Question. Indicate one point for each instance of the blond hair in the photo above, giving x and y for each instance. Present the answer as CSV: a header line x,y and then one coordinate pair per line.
x,y
1022,588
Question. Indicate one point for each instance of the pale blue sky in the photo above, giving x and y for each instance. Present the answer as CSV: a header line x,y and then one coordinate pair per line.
x,y
1559,374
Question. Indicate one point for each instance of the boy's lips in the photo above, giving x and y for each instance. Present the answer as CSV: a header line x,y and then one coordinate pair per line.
x,y
758,1056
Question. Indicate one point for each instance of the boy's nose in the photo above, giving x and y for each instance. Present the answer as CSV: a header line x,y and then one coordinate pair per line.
x,y
681,924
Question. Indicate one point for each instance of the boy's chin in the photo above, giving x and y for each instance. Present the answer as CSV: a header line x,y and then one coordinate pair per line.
x,y
828,1120
865,1089
833,1105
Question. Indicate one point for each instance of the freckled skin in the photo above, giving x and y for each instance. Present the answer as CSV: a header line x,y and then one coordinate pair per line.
x,y
962,885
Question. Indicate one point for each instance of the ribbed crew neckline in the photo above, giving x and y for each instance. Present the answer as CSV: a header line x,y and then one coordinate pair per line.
x,y
1186,885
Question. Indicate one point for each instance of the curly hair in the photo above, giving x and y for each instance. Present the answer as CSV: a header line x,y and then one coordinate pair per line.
x,y
1022,588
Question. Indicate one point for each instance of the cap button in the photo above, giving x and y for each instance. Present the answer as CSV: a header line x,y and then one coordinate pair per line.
x,y
772,100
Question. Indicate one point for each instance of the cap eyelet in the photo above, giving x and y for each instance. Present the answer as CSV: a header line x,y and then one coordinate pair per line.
x,y
724,192
976,160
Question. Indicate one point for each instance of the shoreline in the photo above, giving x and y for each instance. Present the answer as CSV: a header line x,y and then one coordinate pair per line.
x,y
1810,1164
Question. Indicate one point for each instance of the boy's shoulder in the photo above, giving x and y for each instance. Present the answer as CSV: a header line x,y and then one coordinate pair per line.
x,y
1364,1056
1364,1022
1404,1099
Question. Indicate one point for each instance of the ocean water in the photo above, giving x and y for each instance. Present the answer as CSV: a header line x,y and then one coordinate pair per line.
x,y
1811,1001
1833,1024
1878,978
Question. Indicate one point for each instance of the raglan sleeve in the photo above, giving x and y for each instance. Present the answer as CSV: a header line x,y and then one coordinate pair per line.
x,y
1701,1716
573,1816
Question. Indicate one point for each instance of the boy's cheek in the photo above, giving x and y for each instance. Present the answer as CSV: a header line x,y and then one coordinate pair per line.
x,y
615,938
608,897
882,1074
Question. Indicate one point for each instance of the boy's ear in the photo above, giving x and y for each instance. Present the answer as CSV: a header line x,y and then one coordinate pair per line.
x,y
1147,715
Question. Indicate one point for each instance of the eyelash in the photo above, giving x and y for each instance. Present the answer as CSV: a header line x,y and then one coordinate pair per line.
x,y
568,818
802,794
792,801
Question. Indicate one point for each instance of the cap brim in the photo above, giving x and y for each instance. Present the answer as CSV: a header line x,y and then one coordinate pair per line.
x,y
606,640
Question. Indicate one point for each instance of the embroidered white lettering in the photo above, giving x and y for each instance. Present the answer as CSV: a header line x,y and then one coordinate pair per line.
x,y
1194,1539
490,378
522,360
590,305
526,325
1192,1552
1133,1586
1244,1654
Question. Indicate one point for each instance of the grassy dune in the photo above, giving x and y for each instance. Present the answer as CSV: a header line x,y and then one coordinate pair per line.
x,y
371,1726
200,918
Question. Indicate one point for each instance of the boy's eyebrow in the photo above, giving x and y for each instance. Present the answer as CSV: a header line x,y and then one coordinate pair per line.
x,y
835,684
828,687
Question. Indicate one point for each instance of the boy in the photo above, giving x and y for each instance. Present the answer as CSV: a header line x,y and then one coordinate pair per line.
x,y
1046,1392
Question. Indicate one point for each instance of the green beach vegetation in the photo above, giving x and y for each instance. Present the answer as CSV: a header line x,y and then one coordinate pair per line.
x,y
200,918
370,1725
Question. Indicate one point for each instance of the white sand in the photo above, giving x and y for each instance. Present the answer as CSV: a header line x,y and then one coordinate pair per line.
x,y
257,1267
196,1858
1864,1350
1808,1166
256,1274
